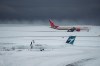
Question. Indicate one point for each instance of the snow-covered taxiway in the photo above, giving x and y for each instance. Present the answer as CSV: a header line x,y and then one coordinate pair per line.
x,y
15,46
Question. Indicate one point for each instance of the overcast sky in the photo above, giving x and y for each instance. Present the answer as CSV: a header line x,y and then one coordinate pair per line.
x,y
45,9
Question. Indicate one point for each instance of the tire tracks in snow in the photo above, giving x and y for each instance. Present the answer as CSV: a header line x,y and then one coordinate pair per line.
x,y
78,63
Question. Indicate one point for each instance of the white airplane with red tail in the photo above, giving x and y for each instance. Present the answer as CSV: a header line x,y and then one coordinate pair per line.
x,y
69,28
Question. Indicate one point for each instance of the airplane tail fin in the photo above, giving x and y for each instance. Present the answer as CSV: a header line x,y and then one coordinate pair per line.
x,y
71,40
52,24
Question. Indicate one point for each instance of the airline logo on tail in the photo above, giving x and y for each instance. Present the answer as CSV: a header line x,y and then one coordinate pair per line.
x,y
71,40
52,24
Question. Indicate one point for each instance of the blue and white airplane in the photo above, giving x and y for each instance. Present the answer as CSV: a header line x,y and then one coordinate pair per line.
x,y
41,47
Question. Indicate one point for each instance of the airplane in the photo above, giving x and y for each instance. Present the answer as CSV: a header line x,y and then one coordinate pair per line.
x,y
69,28
42,47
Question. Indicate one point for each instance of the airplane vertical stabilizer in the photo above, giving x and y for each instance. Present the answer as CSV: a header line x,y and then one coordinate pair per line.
x,y
71,40
52,24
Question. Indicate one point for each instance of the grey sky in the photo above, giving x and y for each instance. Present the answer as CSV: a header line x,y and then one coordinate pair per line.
x,y
45,9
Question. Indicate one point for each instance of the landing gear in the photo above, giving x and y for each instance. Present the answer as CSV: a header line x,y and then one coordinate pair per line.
x,y
41,49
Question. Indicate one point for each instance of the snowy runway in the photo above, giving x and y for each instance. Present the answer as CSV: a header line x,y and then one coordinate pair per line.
x,y
84,52
53,57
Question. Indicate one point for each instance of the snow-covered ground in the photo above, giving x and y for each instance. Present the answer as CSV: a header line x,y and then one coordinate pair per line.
x,y
15,46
